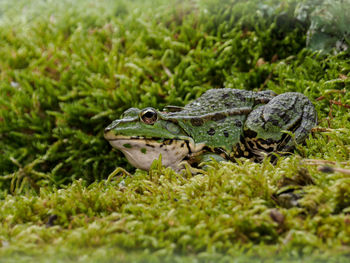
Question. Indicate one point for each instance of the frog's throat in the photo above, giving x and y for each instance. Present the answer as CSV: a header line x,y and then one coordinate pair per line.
x,y
141,152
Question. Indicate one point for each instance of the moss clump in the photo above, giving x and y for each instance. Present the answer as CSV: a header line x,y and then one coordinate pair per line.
x,y
68,69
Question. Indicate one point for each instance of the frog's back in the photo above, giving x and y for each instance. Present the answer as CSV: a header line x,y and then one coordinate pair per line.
x,y
220,100
217,117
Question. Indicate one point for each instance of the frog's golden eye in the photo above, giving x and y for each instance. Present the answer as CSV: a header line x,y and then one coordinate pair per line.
x,y
149,116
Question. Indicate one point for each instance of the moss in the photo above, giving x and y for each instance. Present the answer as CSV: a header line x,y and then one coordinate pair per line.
x,y
67,69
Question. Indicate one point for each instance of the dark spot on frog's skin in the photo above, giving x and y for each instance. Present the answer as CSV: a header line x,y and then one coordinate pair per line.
x,y
197,122
261,101
226,134
250,134
182,145
225,96
127,145
285,117
241,97
266,145
143,150
211,132
297,125
285,137
268,141
149,145
229,104
168,142
188,147
238,123
263,145
218,117
219,151
274,122
310,117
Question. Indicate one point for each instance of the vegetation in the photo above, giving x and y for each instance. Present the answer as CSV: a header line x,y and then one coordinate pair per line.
x,y
67,69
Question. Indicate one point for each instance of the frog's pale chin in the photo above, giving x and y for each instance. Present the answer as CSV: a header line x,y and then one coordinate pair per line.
x,y
141,152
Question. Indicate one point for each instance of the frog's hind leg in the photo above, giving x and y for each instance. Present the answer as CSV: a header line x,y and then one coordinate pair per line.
x,y
266,126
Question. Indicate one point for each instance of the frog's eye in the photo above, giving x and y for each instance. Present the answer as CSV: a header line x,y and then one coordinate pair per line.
x,y
149,116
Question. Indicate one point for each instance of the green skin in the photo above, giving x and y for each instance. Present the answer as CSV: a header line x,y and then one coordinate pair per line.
x,y
223,124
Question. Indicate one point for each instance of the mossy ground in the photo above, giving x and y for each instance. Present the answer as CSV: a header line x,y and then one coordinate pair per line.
x,y
68,68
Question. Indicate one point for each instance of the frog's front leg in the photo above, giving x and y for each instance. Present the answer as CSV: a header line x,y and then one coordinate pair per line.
x,y
265,127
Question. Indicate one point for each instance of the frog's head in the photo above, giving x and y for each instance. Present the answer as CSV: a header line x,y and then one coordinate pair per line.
x,y
144,134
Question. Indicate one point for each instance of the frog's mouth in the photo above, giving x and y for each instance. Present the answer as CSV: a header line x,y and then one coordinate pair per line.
x,y
141,152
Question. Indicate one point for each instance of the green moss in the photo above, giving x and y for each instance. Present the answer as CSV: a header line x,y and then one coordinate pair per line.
x,y
67,69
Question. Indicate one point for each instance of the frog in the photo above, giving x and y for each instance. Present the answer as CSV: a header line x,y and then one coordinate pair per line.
x,y
222,124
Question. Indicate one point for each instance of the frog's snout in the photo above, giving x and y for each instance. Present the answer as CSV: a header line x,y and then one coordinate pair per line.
x,y
107,129
108,134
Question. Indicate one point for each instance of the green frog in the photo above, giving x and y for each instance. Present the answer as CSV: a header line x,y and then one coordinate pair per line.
x,y
223,124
